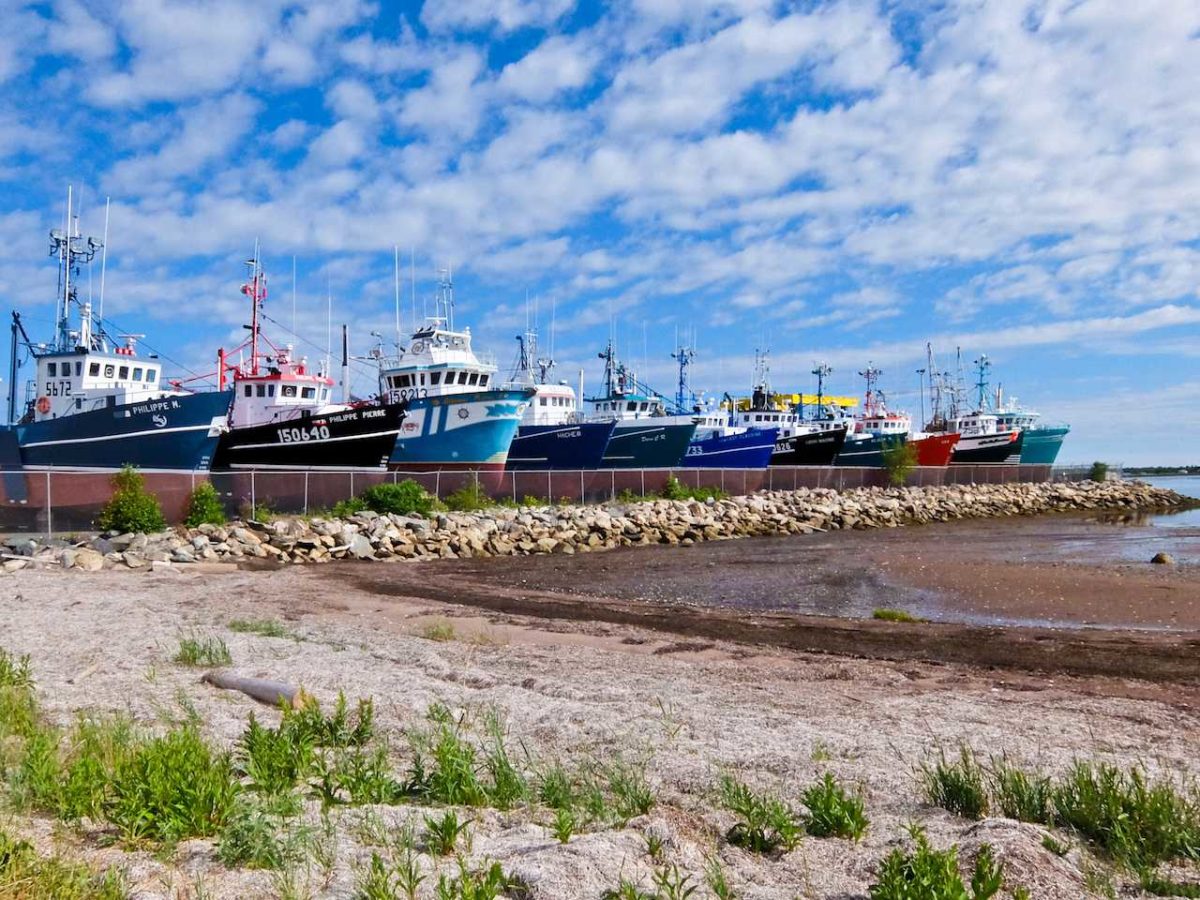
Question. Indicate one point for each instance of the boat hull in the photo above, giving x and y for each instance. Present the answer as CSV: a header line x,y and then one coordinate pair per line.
x,y
541,447
868,451
469,431
820,448
935,449
750,449
988,449
641,444
359,438
1040,446
173,433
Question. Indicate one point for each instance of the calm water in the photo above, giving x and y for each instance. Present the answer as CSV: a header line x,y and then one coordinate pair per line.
x,y
1189,486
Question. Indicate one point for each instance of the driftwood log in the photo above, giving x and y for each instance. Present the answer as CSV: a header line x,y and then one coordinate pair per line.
x,y
261,689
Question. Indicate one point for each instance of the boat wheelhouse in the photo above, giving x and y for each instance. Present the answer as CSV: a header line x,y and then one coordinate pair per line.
x,y
96,402
458,416
283,414
552,433
798,441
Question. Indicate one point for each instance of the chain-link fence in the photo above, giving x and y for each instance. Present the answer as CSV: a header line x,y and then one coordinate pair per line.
x,y
64,500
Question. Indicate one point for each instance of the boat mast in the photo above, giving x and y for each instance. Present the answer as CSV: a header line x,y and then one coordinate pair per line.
x,y
256,290
609,356
823,370
982,365
871,374
683,390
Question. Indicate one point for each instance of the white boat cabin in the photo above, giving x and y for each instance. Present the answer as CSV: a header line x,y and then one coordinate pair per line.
x,y
552,404
885,424
437,362
86,380
978,423
623,407
282,389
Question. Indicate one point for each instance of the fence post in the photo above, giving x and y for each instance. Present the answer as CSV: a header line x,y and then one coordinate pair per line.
x,y
253,500
582,497
643,474
49,509
549,489
437,484
306,492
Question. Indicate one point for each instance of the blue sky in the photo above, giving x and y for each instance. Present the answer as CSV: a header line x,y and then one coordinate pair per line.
x,y
840,181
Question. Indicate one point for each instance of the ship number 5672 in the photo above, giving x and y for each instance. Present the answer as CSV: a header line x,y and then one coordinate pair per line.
x,y
295,435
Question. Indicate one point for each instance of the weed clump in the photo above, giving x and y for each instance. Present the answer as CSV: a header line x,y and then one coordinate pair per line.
x,y
886,614
261,627
171,788
131,508
675,489
956,785
407,498
930,874
469,498
765,822
24,875
206,652
832,812
204,506
898,461
15,672
1019,794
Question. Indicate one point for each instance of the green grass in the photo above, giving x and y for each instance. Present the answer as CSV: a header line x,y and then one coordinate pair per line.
x,y
765,822
261,627
440,631
15,671
453,773
832,812
957,785
564,824
886,614
25,875
924,873
717,879
1165,887
273,760
631,792
675,489
507,785
442,833
257,837
206,652
486,883
1027,797
171,788
471,497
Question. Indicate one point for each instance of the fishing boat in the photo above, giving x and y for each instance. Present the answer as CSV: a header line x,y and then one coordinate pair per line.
x,y
552,434
458,418
1040,441
96,402
983,440
876,431
284,415
798,442
644,436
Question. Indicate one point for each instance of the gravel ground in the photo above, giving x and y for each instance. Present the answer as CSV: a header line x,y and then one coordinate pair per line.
x,y
570,690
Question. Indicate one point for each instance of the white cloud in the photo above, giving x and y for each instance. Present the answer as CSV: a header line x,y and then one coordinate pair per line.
x,y
557,64
504,15
452,102
76,32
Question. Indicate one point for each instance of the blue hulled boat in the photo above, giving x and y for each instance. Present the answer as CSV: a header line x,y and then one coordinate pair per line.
x,y
96,403
551,434
457,416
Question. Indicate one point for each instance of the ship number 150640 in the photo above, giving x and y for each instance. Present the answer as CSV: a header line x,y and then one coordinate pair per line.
x,y
296,435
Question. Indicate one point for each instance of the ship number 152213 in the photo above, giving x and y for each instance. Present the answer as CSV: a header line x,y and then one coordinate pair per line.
x,y
296,435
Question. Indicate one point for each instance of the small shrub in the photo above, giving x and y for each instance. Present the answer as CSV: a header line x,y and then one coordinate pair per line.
x,y
261,627
1099,471
886,614
131,508
899,461
957,786
677,490
441,835
15,672
832,812
204,506
344,509
564,824
1137,823
171,788
469,498
928,874
273,759
337,730
453,778
377,881
24,875
1021,795
440,631
365,776
406,498
206,652
508,786
765,822
254,838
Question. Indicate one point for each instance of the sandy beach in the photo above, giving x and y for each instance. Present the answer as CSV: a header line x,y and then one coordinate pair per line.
x,y
581,663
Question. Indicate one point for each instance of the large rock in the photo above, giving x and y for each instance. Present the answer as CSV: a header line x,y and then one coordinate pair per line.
x,y
88,560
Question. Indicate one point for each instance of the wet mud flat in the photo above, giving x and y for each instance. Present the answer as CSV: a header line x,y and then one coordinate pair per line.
x,y
1050,594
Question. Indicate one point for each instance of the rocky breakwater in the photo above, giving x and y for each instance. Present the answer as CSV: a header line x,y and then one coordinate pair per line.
x,y
507,531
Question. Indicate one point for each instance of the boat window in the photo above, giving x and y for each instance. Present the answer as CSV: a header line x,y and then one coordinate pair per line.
x,y
435,377
541,401
94,369
631,406
151,375
137,374
248,391
270,390
308,393
645,406
289,390
261,390
324,393
483,380
123,375
109,370
422,376
462,377
474,378
52,369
